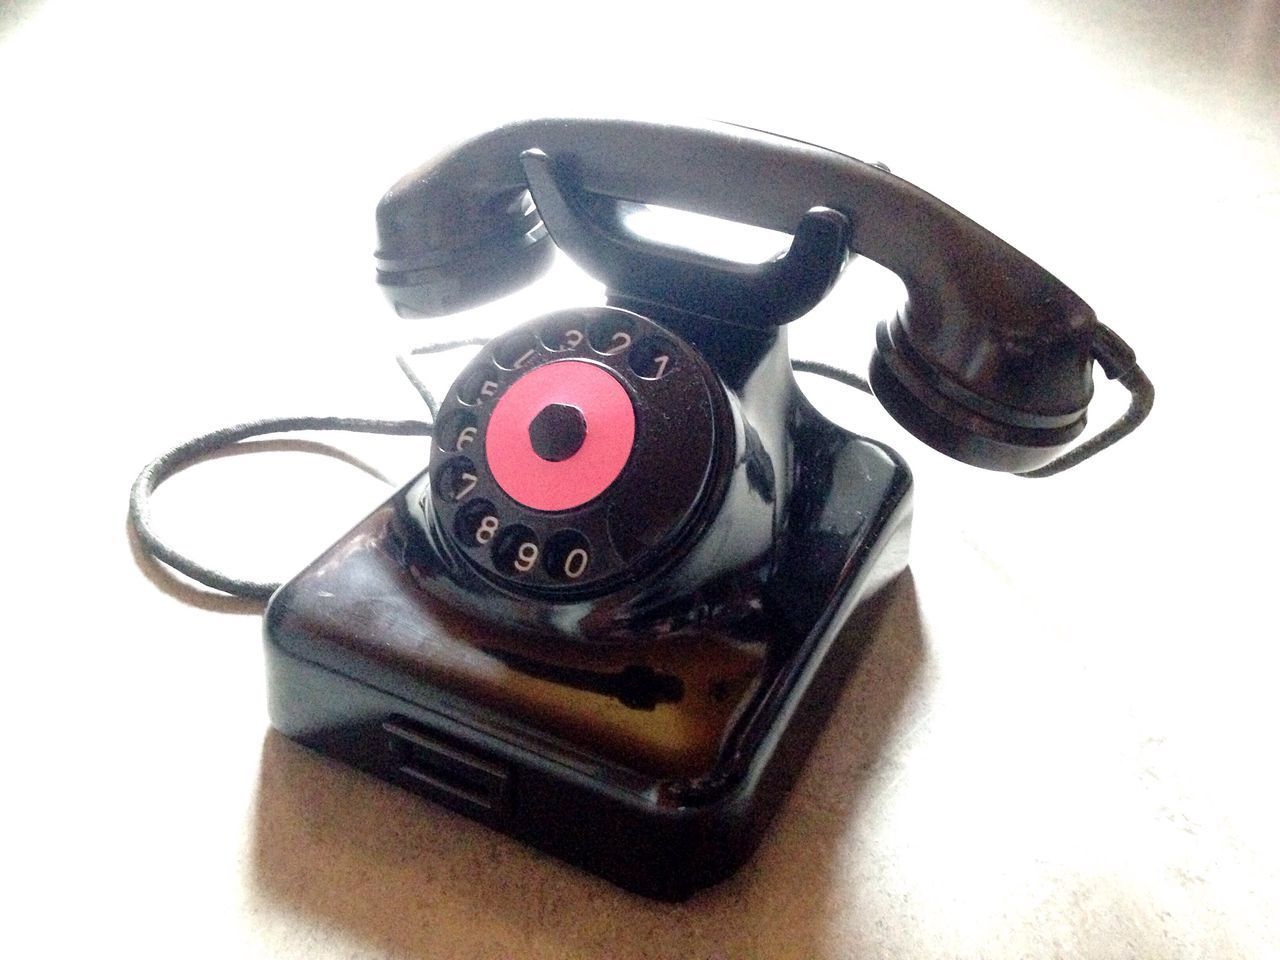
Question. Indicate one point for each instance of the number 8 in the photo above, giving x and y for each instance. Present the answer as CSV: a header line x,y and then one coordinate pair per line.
x,y
488,527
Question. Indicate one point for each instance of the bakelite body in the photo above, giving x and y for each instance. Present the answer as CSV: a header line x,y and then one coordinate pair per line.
x,y
646,728
639,704
612,614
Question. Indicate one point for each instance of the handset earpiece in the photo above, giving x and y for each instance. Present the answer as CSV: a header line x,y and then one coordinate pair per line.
x,y
1030,439
456,233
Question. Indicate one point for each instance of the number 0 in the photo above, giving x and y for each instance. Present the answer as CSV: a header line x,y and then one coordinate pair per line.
x,y
575,564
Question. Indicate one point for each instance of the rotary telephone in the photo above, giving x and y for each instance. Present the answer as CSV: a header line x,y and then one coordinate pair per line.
x,y
611,614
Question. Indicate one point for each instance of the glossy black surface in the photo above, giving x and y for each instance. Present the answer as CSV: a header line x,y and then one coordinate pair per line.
x,y
557,433
638,700
656,758
646,724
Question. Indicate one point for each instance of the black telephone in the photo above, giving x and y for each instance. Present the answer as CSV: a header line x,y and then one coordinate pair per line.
x,y
610,616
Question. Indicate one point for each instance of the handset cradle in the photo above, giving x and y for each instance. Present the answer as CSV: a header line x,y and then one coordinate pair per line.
x,y
755,295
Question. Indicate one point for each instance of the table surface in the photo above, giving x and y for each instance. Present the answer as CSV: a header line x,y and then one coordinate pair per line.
x,y
1061,742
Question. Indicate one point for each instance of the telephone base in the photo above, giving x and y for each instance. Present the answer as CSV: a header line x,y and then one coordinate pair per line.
x,y
656,764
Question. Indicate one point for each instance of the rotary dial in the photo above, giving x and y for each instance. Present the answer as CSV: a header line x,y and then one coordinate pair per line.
x,y
577,451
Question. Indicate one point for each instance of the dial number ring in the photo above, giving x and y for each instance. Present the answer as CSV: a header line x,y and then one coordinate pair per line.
x,y
631,519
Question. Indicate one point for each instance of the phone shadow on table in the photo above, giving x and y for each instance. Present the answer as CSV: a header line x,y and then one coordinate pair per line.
x,y
374,868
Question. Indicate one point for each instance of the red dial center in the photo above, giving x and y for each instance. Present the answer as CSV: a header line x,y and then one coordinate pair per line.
x,y
601,444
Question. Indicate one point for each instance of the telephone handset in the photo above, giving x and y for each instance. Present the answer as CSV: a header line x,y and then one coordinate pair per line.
x,y
990,359
611,614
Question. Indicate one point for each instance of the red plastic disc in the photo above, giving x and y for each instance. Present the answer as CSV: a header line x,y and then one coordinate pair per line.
x,y
610,433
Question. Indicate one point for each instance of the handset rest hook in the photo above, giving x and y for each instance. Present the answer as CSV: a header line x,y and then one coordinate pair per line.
x,y
590,230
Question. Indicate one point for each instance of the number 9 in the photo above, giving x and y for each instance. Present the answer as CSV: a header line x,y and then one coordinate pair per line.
x,y
526,557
